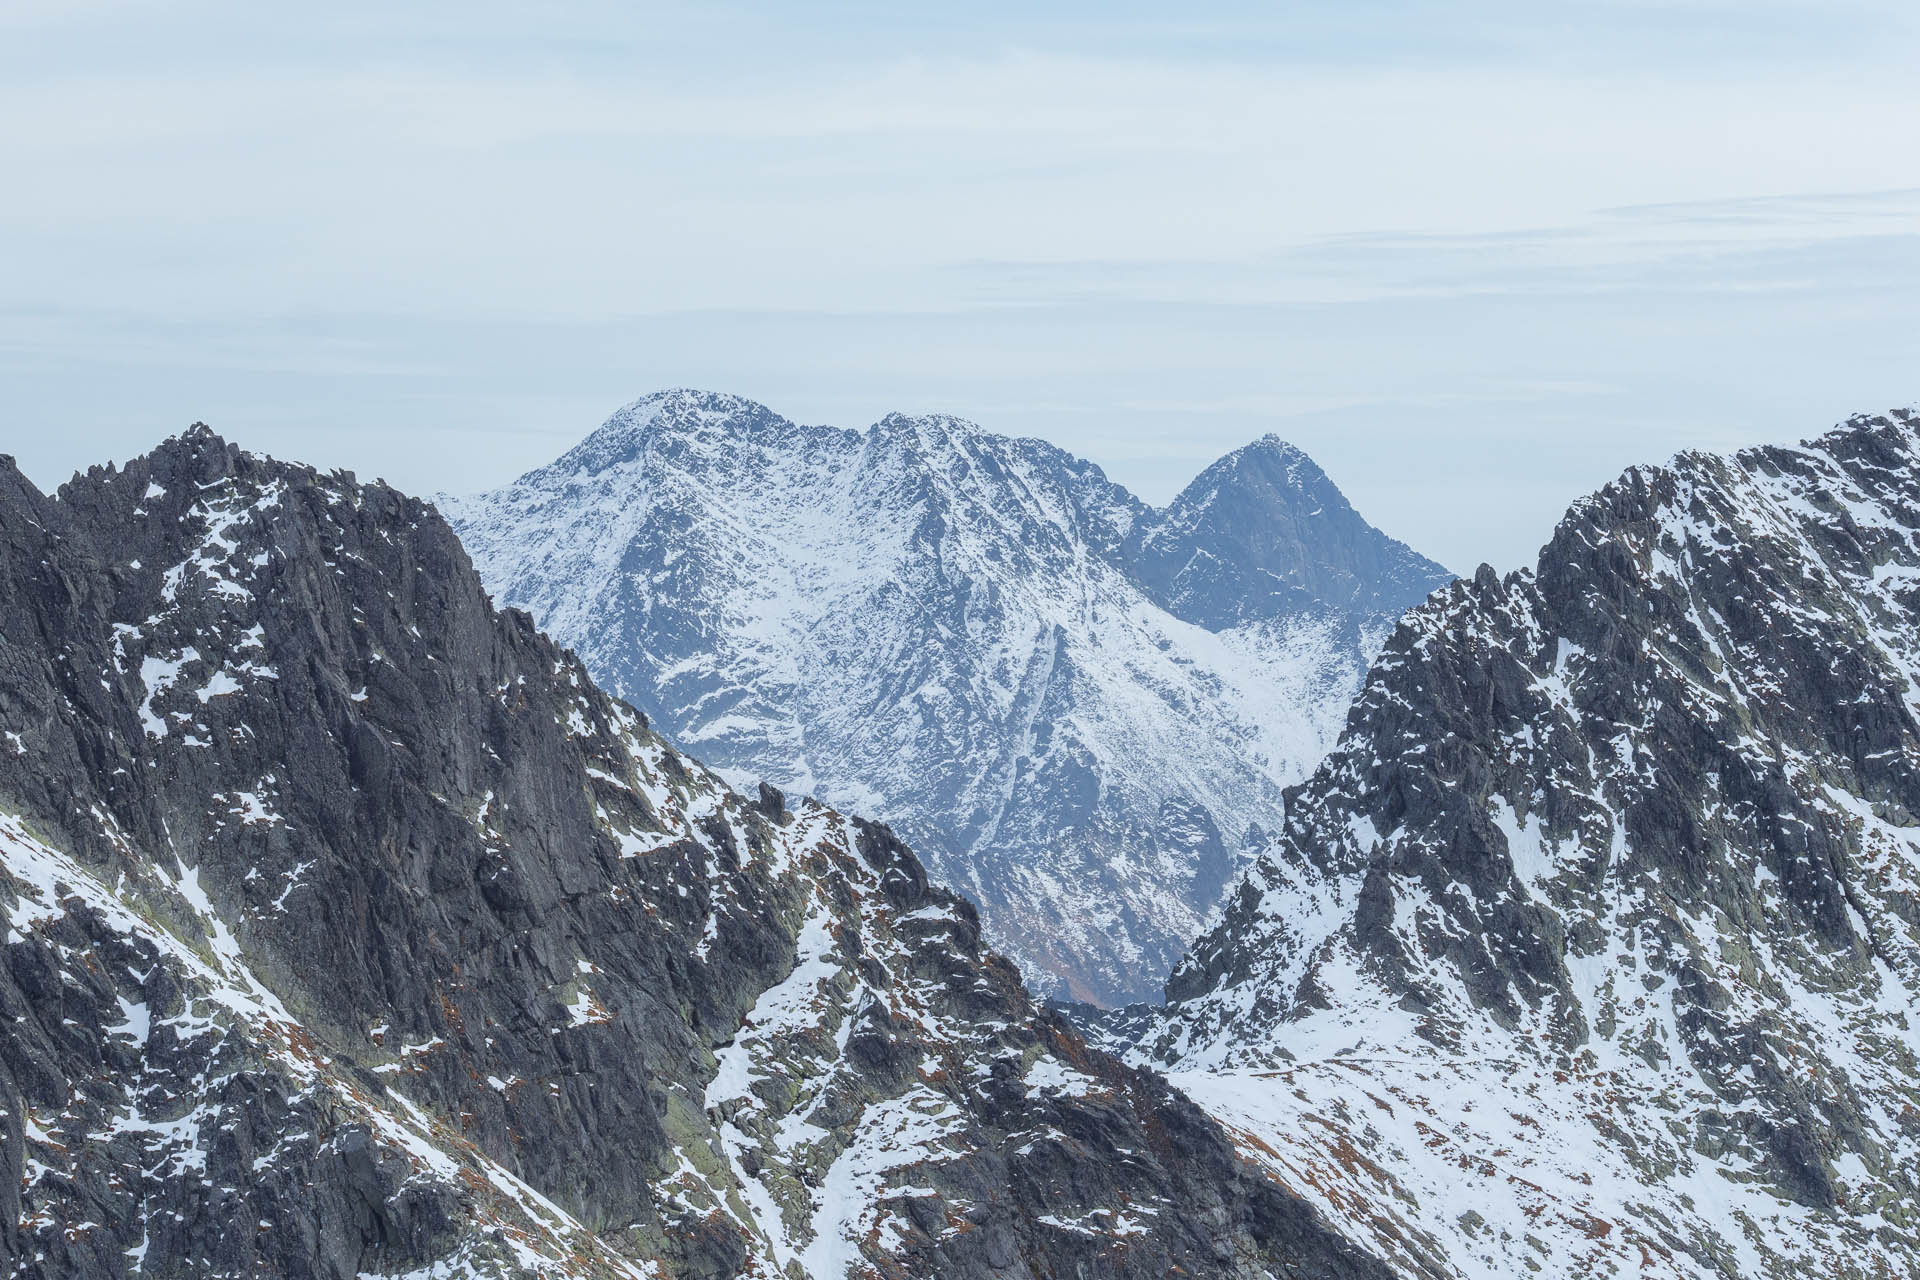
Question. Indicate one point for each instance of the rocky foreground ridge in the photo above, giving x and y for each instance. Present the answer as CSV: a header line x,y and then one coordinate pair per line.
x,y
1594,946
352,932
1081,708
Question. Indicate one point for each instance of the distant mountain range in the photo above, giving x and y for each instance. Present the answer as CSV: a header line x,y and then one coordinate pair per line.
x,y
1080,708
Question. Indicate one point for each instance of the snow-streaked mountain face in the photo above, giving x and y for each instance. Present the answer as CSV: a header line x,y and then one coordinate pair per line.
x,y
1263,533
1594,947
1076,705
352,931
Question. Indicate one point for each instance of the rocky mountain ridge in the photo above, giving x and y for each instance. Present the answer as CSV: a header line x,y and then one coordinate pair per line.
x,y
1080,708
1594,946
352,931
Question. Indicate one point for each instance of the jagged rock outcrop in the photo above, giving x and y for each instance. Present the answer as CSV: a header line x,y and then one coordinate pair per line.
x,y
1079,708
352,931
1594,947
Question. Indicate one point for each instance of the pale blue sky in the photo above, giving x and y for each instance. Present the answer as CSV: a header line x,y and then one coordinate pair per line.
x,y
1474,257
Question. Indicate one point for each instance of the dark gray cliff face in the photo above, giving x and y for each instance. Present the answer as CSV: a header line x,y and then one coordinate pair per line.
x,y
352,931
1029,672
1612,886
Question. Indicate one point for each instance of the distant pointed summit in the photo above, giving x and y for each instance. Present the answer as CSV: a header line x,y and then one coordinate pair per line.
x,y
1263,532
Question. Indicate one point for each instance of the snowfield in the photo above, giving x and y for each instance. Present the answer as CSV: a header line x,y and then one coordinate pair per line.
x,y
1046,686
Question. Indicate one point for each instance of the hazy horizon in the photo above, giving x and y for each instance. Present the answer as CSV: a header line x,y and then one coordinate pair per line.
x,y
1156,485
1475,259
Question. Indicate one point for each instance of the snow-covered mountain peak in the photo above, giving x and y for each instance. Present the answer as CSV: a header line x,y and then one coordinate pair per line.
x,y
1265,532
1268,473
934,434
953,629
682,426
1276,447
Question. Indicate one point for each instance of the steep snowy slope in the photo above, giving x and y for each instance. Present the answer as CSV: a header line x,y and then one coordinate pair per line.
x,y
351,932
1068,700
1594,947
